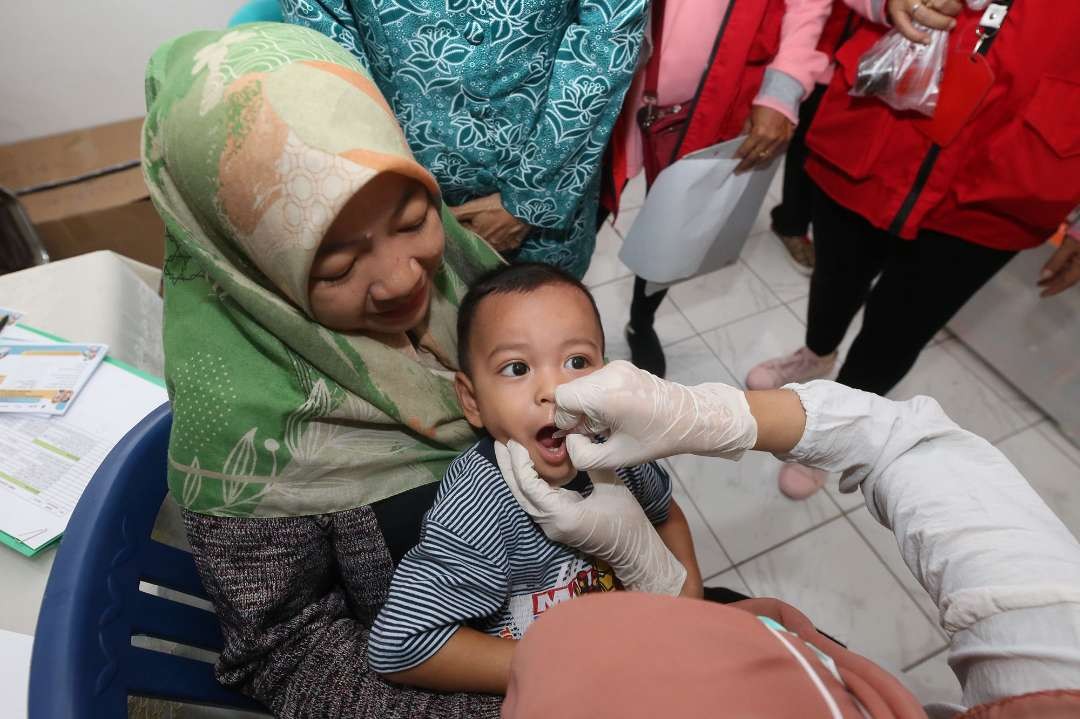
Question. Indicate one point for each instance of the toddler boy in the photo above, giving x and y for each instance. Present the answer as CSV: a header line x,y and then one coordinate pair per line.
x,y
482,562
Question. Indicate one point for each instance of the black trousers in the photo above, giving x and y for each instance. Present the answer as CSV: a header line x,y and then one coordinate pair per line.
x,y
792,216
921,284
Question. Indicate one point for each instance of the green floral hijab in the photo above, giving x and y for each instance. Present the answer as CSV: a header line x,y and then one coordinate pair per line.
x,y
254,140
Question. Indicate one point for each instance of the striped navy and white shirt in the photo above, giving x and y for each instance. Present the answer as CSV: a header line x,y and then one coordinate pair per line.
x,y
482,561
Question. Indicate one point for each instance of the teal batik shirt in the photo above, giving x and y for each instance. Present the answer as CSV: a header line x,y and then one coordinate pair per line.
x,y
511,96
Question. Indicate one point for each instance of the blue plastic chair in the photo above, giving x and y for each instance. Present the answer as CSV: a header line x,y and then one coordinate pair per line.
x,y
257,11
83,663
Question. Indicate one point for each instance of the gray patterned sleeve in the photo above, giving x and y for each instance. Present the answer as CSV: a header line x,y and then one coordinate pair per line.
x,y
295,597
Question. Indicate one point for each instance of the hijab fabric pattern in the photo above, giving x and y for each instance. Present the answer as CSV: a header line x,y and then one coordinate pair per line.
x,y
254,140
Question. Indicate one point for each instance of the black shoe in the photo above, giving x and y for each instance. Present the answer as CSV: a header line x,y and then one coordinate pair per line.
x,y
645,350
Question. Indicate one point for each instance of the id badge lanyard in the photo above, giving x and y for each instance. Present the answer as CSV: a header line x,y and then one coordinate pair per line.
x,y
967,79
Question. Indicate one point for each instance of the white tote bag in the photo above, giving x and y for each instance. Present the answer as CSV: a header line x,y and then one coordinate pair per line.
x,y
697,216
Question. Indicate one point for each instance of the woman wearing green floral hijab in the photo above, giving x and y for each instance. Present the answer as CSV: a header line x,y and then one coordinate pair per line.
x,y
311,291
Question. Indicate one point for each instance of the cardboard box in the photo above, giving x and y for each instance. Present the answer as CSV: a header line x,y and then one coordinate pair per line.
x,y
110,212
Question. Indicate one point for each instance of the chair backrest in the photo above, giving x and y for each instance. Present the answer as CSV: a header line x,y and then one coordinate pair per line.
x,y
84,663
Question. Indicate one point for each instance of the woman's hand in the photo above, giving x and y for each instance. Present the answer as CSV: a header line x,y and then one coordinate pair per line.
x,y
1062,270
768,132
609,524
644,417
934,14
487,217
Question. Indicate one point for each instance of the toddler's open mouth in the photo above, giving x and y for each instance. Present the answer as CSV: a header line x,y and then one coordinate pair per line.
x,y
552,448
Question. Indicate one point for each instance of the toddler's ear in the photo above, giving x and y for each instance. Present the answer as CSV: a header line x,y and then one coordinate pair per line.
x,y
467,398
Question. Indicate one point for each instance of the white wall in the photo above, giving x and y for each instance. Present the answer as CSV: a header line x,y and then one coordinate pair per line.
x,y
75,63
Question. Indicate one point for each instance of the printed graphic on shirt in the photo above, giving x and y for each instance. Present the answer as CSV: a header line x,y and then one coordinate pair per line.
x,y
576,576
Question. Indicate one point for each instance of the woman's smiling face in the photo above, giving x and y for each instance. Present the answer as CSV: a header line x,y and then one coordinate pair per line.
x,y
373,270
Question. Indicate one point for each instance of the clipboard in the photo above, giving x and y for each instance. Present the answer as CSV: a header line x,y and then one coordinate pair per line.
x,y
47,462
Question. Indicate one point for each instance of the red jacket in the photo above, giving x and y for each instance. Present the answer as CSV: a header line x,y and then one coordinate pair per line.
x,y
1011,175
838,28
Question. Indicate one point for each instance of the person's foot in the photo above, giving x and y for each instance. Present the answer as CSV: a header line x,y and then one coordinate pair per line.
x,y
798,482
800,366
645,350
800,251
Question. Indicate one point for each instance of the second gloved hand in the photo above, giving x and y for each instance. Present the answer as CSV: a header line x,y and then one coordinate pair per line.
x,y
609,524
644,418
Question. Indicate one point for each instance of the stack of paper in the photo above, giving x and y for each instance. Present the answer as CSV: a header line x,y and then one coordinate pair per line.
x,y
47,461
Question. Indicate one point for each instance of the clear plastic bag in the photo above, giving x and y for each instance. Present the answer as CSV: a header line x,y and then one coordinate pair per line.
x,y
906,75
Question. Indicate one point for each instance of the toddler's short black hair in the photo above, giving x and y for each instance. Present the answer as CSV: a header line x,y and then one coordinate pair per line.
x,y
521,278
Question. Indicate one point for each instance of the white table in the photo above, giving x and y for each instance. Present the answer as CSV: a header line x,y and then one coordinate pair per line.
x,y
99,297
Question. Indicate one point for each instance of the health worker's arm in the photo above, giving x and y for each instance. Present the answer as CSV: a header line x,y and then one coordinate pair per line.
x,y
1002,569
1000,566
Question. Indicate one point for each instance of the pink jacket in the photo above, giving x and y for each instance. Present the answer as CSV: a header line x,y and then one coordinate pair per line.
x,y
690,29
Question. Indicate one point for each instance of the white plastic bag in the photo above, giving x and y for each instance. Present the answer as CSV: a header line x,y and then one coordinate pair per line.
x,y
906,75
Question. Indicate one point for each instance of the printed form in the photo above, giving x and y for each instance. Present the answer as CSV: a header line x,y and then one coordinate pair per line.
x,y
46,462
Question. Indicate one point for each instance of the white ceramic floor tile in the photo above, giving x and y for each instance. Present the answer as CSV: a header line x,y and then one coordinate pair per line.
x,y
933,681
1050,430
1049,470
769,260
763,221
613,301
730,580
883,542
831,575
605,265
743,505
691,362
633,195
741,345
846,502
625,221
989,376
720,297
710,555
968,401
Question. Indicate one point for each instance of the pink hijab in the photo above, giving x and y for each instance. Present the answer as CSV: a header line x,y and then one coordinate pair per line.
x,y
637,655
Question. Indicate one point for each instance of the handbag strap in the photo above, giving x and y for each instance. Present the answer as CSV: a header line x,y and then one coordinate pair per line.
x,y
652,67
990,24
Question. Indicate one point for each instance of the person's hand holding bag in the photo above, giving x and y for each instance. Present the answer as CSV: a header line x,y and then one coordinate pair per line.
x,y
767,133
644,418
608,524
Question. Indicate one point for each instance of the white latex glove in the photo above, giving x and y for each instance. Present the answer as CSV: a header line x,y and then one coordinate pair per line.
x,y
646,418
609,524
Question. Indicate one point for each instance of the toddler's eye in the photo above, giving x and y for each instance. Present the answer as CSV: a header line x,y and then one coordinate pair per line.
x,y
514,369
577,362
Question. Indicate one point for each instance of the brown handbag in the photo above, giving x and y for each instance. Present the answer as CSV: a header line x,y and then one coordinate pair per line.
x,y
661,126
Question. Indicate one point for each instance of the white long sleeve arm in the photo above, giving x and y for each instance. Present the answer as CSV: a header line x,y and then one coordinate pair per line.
x,y
1002,569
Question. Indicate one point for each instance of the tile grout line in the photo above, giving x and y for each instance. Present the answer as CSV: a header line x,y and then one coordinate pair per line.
x,y
918,605
761,279
738,382
1053,443
944,344
927,658
708,524
736,319
792,538
1009,435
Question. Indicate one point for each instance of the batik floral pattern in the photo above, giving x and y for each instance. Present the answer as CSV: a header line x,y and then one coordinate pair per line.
x,y
511,96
